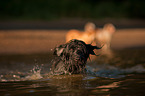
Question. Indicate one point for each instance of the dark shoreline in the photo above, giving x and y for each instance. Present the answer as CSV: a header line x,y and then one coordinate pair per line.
x,y
66,24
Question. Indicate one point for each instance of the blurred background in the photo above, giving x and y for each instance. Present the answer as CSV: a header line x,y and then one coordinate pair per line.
x,y
54,9
40,22
76,12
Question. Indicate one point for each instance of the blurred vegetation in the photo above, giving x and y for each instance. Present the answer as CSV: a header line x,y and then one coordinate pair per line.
x,y
56,9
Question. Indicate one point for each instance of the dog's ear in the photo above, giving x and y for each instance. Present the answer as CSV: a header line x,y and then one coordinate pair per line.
x,y
89,27
109,28
91,48
59,50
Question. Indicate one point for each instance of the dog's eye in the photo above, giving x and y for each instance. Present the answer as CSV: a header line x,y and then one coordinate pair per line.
x,y
79,52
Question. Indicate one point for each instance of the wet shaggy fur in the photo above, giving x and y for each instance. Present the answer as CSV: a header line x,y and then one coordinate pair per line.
x,y
71,58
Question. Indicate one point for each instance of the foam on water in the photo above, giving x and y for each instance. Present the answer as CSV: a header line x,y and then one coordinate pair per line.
x,y
103,70
114,72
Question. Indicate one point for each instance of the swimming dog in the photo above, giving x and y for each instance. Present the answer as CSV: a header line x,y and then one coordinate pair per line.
x,y
71,58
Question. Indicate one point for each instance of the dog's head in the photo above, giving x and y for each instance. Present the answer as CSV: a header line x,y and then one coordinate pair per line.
x,y
74,55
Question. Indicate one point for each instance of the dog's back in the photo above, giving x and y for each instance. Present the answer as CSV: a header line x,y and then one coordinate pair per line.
x,y
87,35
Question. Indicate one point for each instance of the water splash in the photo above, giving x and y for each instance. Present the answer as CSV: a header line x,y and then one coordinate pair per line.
x,y
103,70
35,73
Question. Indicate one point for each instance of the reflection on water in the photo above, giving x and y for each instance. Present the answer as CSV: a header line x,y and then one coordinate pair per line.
x,y
28,75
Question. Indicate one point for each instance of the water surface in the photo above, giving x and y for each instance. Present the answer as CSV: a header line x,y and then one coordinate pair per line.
x,y
123,75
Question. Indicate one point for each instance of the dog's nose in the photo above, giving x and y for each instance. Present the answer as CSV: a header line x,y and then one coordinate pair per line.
x,y
67,56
